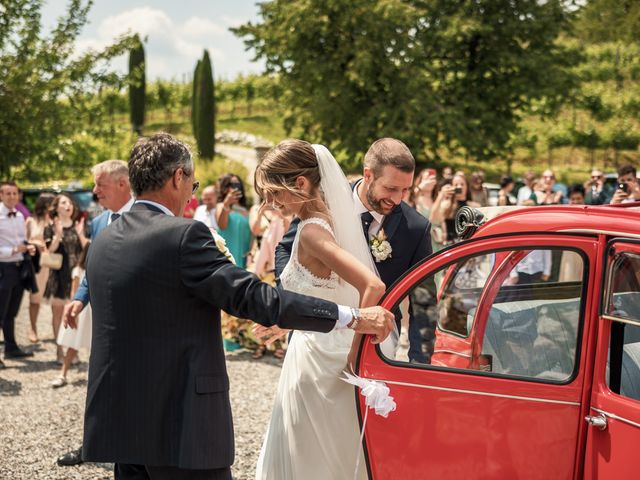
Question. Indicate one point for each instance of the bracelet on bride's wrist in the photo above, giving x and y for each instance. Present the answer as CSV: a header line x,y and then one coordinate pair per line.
x,y
355,319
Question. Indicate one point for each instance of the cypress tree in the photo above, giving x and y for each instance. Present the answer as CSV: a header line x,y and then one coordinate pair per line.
x,y
205,109
195,101
137,86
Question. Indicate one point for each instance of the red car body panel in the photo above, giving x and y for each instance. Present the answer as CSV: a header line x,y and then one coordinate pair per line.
x,y
453,419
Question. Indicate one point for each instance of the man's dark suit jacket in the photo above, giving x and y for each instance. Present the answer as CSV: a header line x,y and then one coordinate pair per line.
x,y
158,386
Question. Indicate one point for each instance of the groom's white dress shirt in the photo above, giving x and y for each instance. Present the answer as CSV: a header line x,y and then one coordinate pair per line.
x,y
208,217
378,218
12,234
344,312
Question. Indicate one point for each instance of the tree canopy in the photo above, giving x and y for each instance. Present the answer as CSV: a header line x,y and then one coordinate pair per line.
x,y
438,74
48,90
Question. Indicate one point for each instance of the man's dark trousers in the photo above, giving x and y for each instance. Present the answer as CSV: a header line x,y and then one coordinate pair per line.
x,y
11,290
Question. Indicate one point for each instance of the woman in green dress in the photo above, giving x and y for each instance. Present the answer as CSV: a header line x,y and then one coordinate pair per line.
x,y
233,217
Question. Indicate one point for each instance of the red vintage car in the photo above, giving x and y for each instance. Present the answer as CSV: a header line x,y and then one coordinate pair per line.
x,y
530,336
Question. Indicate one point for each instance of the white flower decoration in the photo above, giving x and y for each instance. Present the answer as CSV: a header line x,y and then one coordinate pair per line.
x,y
380,247
221,244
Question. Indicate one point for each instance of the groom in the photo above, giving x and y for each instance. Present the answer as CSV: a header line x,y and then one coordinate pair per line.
x,y
388,173
158,393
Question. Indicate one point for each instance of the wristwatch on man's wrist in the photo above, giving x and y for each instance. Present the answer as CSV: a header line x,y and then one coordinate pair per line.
x,y
355,318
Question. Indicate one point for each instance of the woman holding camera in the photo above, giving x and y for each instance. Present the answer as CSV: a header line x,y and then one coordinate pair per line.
x,y
453,195
66,237
233,218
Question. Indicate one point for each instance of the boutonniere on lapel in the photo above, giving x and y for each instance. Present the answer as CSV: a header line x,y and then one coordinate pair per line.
x,y
221,244
380,247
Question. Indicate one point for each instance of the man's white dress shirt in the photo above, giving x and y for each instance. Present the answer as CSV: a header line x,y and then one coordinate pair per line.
x,y
208,217
378,218
12,234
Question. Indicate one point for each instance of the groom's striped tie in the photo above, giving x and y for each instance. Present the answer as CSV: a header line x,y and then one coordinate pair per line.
x,y
366,218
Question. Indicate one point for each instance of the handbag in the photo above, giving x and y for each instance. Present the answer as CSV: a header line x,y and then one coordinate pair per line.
x,y
51,260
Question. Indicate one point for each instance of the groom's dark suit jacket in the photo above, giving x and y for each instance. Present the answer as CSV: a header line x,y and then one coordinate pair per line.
x,y
158,390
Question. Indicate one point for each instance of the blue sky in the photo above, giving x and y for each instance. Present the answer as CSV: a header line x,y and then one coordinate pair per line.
x,y
176,31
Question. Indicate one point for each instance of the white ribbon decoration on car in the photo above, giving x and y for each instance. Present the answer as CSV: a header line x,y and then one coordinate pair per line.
x,y
376,396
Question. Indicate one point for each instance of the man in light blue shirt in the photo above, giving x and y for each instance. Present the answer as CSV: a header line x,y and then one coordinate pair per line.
x,y
114,194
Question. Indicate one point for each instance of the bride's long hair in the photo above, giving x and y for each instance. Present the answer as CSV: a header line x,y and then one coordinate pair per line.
x,y
282,165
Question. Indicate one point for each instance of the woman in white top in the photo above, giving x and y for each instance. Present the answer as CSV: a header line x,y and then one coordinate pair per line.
x,y
35,226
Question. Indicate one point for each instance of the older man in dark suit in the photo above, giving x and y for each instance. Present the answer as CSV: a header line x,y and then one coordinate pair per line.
x,y
158,401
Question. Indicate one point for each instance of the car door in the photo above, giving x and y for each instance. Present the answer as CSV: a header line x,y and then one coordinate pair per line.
x,y
614,418
489,383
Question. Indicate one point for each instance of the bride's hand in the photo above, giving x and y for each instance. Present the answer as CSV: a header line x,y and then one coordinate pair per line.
x,y
351,360
269,334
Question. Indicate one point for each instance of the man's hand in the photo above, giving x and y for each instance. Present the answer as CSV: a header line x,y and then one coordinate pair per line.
x,y
269,334
375,321
24,249
71,312
619,196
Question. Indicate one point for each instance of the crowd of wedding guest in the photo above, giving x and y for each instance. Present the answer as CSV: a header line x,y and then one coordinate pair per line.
x,y
46,247
40,252
439,195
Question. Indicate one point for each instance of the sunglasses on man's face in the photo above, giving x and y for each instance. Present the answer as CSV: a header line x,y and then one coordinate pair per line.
x,y
194,187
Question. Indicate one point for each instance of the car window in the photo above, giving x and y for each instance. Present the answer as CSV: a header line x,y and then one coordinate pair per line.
x,y
513,313
622,308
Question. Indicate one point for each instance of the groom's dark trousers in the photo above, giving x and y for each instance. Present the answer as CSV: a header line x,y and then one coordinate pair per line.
x,y
158,391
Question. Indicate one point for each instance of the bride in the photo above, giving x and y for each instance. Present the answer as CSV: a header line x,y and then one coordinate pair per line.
x,y
314,431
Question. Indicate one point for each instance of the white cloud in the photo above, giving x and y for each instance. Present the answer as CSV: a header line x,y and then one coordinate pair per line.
x,y
143,21
233,21
201,27
172,48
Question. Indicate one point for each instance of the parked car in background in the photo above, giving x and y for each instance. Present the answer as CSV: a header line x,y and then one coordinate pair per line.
x,y
534,372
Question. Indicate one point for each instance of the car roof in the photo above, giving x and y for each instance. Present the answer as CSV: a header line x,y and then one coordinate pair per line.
x,y
623,219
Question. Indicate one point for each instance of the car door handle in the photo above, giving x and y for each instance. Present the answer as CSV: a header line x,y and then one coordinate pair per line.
x,y
599,421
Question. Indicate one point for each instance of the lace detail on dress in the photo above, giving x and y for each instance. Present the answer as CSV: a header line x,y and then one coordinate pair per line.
x,y
298,278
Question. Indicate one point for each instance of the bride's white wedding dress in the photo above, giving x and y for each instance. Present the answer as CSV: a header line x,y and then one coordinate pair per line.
x,y
314,430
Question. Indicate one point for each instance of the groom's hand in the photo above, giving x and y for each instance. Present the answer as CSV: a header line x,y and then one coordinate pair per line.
x,y
375,321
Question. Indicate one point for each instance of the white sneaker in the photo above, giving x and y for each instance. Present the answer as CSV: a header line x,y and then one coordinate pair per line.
x,y
59,382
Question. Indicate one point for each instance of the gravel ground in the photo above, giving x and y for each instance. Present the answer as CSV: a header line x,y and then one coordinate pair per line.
x,y
38,423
